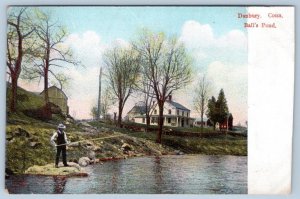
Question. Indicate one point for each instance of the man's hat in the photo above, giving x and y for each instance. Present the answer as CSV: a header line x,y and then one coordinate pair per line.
x,y
61,126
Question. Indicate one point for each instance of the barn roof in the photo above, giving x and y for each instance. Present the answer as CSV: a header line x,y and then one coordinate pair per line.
x,y
55,87
198,119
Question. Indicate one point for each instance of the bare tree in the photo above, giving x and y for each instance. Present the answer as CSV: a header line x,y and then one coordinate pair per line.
x,y
19,29
145,88
166,65
202,92
106,102
122,66
50,52
61,81
93,112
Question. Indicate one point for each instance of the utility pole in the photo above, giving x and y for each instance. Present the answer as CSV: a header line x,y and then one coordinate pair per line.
x,y
99,96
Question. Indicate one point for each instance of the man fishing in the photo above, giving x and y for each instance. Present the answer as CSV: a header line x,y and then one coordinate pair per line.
x,y
60,144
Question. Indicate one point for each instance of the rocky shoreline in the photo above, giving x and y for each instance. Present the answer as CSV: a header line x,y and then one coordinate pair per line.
x,y
74,169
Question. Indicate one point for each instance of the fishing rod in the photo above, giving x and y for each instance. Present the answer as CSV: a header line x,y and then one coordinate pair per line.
x,y
90,140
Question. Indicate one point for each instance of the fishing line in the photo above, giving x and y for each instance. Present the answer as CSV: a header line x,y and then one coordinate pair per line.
x,y
89,140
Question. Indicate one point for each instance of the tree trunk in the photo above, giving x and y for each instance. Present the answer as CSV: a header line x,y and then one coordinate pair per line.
x,y
46,94
15,74
47,108
160,121
115,118
120,113
202,122
147,122
202,112
14,87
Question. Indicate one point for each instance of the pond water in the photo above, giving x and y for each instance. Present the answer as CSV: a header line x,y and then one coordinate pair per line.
x,y
190,174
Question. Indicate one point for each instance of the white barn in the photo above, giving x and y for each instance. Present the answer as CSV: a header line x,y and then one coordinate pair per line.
x,y
197,122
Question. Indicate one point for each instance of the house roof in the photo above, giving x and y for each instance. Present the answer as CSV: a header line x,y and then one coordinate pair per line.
x,y
139,108
55,87
177,105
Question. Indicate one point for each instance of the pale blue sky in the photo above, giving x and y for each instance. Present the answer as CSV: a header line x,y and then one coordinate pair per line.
x,y
113,22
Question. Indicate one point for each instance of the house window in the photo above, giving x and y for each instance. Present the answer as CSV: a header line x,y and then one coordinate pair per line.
x,y
182,113
187,114
154,120
155,111
170,111
169,120
177,112
143,120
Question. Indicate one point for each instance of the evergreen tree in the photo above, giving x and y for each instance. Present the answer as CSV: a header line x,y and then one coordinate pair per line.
x,y
211,110
217,110
221,107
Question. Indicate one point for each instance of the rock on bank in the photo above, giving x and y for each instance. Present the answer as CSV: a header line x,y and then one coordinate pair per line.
x,y
50,170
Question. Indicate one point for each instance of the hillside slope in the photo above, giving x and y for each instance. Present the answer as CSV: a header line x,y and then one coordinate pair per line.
x,y
30,107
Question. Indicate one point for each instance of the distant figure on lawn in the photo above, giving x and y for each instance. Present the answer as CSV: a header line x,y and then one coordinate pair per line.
x,y
60,144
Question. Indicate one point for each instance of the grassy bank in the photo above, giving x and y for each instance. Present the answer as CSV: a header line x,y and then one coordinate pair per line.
x,y
219,145
28,145
216,144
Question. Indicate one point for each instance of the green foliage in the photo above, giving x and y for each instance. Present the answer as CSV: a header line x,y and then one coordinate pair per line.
x,y
221,107
123,66
218,109
166,65
212,110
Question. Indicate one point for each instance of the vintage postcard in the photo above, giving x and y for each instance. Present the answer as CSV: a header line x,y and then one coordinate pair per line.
x,y
148,99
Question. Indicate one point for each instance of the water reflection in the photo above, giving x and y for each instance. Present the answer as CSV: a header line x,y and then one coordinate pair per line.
x,y
59,184
115,177
157,170
192,174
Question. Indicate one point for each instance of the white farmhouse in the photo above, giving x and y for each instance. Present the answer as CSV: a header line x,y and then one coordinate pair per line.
x,y
174,114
